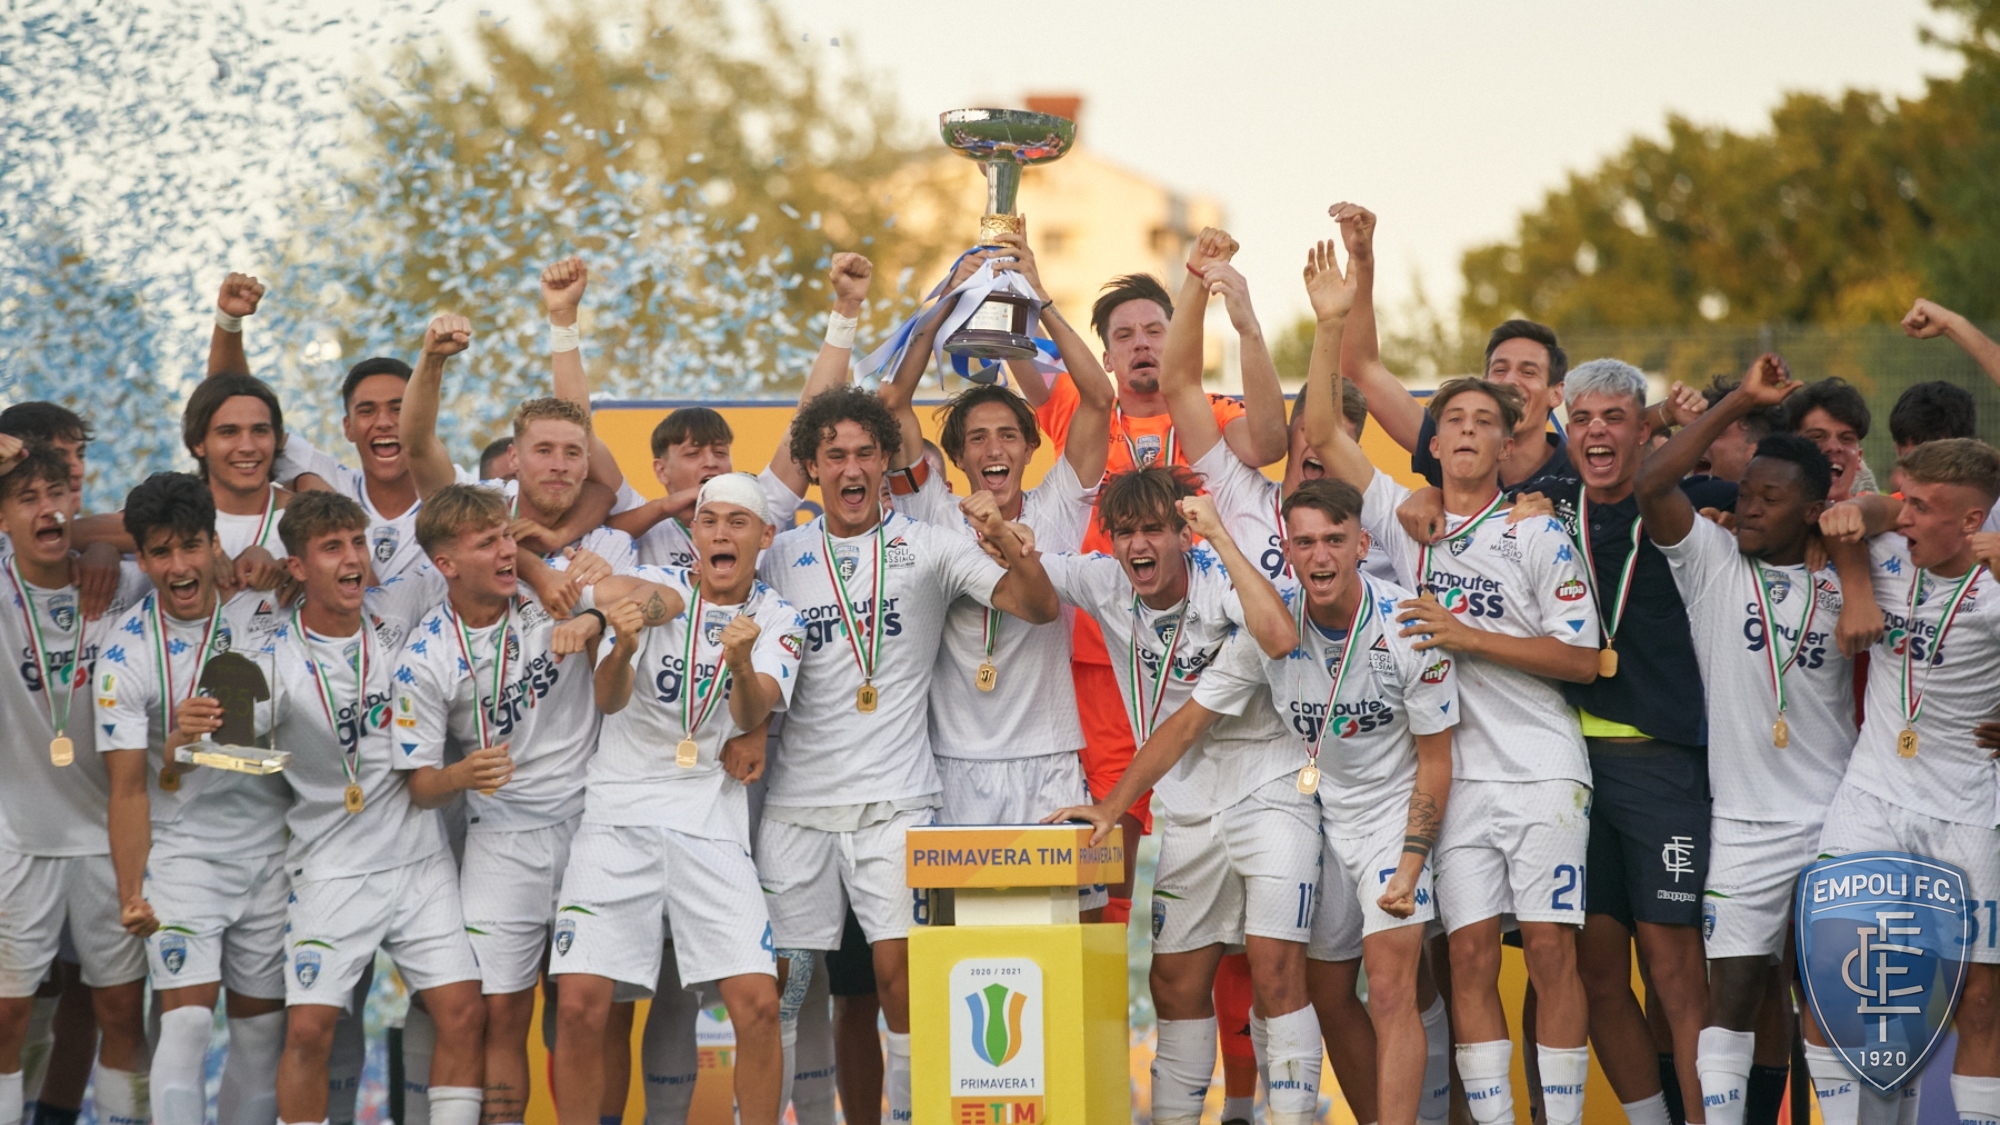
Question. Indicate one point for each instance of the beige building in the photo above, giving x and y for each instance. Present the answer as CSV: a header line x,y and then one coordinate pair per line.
x,y
1091,219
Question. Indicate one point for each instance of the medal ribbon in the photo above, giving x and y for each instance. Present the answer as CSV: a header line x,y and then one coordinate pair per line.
x,y
1912,693
1146,713
864,656
695,706
1779,668
170,699
265,523
1609,617
1424,551
350,760
1361,612
58,719
482,713
1168,449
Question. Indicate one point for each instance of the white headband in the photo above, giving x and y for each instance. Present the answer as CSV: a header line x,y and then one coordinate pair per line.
x,y
740,489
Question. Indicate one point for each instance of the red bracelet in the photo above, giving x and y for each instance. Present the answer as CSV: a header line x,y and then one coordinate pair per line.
x,y
1197,273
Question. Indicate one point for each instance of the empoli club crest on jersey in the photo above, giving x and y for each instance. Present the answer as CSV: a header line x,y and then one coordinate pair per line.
x,y
1884,939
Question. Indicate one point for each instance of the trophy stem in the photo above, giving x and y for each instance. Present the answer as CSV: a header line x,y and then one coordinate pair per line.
x,y
1003,186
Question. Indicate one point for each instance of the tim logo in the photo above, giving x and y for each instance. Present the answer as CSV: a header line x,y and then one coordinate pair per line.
x,y
1571,590
1884,938
996,1023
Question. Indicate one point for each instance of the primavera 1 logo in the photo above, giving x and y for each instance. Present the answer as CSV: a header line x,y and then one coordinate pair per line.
x,y
997,1042
996,1023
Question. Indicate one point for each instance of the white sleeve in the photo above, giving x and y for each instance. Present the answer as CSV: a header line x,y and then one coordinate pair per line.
x,y
1084,581
964,569
784,502
405,598
932,503
1229,683
1063,507
780,645
1702,557
423,705
628,499
126,689
1241,496
1430,684
302,456
1562,606
1378,518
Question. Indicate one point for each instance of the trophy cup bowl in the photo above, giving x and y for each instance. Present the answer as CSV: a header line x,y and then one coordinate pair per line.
x,y
1003,141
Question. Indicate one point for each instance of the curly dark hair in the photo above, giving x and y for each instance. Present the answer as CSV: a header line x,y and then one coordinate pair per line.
x,y
818,415
178,503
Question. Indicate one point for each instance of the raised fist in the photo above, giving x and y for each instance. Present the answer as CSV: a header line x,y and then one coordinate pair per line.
x,y
1201,517
1357,230
562,289
738,638
850,274
1926,319
448,335
1768,381
1212,246
240,294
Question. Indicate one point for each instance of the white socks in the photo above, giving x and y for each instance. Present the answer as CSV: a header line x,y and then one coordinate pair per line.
x,y
1723,1061
1260,1045
1489,1090
1292,1095
1977,1099
1913,1098
12,1096
455,1105
1564,1072
121,1096
180,1072
249,1093
1239,1109
1649,1111
813,1086
668,1053
896,1079
1835,1085
1434,1105
1183,1063
420,1038
799,974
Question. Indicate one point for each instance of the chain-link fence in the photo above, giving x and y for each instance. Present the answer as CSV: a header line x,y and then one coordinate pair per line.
x,y
1878,359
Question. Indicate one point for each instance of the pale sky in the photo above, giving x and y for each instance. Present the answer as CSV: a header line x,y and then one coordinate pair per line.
x,y
1446,117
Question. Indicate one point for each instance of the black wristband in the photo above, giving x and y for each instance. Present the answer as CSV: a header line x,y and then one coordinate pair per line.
x,y
603,626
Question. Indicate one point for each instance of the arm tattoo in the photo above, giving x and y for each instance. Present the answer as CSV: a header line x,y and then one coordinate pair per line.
x,y
655,609
1423,824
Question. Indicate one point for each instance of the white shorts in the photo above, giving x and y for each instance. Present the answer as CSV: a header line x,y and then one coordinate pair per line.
x,y
1513,847
810,878
38,893
1753,869
625,885
1858,821
220,920
1354,871
1251,869
411,912
1016,791
508,887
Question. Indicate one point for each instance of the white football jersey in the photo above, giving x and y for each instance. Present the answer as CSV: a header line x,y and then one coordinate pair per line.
x,y
830,752
667,544
46,810
609,544
237,534
211,813
1955,681
390,830
544,710
1519,579
1031,710
1391,694
1251,506
635,778
1748,775
392,540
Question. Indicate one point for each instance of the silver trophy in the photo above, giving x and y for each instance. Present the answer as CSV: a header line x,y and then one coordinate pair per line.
x,y
239,685
1003,141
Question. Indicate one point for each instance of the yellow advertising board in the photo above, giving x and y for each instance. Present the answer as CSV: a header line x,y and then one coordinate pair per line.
x,y
1012,856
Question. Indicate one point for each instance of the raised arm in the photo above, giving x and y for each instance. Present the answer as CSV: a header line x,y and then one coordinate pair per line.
x,y
1168,745
430,466
1261,436
1400,415
1333,297
562,292
849,274
1264,611
1089,445
612,681
1025,591
238,299
751,693
1195,427
900,392
1928,318
1548,657
1666,511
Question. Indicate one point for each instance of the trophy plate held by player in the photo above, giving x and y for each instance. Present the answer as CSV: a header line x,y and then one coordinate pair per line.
x,y
1003,141
236,682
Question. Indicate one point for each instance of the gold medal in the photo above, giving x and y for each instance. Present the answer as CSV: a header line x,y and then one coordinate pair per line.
x,y
1781,733
170,781
352,798
864,699
1309,780
987,677
1607,662
686,754
1906,743
61,751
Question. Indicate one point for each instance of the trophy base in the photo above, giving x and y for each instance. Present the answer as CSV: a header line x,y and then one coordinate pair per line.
x,y
983,344
237,759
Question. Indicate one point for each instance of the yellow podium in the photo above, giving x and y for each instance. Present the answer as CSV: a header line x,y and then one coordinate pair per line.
x,y
1017,1011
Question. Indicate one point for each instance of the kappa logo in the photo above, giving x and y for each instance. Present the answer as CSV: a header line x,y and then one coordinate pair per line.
x,y
1571,590
565,936
387,539
996,1023
1436,673
173,953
